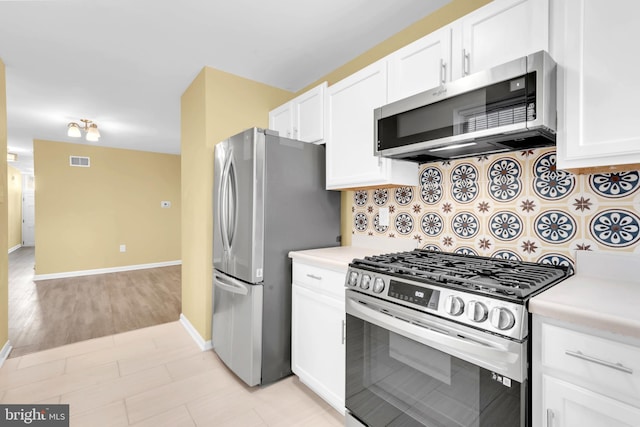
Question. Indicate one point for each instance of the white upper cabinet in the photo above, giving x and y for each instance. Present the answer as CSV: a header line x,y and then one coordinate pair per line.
x,y
499,32
281,119
594,43
349,134
301,118
421,65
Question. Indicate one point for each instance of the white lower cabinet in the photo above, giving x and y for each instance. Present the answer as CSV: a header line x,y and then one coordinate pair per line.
x,y
568,405
318,331
584,377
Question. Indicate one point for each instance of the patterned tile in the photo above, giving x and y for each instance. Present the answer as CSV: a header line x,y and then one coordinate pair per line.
x,y
514,205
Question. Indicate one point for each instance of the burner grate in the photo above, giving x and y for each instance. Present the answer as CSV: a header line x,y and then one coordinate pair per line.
x,y
516,279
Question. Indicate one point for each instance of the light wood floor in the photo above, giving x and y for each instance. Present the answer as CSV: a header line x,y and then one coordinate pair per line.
x,y
51,313
155,377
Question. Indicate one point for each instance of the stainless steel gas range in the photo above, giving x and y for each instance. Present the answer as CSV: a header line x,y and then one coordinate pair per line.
x,y
440,339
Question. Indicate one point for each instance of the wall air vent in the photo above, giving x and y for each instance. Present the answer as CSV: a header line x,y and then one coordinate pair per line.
x,y
82,162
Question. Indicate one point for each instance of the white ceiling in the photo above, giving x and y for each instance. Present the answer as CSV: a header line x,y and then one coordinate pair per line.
x,y
125,63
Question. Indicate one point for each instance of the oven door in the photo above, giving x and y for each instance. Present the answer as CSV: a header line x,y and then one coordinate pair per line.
x,y
407,368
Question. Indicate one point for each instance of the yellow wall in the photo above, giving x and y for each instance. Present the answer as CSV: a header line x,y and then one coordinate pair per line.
x,y
215,106
83,214
14,202
4,258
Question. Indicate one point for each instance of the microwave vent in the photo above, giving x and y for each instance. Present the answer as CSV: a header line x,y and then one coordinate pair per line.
x,y
506,116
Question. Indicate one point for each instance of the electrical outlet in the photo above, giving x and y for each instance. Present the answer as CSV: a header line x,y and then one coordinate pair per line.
x,y
384,216
123,248
165,204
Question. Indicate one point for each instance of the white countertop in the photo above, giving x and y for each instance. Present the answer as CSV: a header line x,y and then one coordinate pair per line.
x,y
336,258
603,294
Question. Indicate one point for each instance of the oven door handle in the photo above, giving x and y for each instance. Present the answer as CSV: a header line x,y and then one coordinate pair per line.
x,y
492,356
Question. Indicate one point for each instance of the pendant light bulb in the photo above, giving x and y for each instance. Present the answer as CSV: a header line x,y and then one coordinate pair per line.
x,y
93,134
73,130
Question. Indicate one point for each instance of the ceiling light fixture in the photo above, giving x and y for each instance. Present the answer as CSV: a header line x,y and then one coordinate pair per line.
x,y
12,157
90,128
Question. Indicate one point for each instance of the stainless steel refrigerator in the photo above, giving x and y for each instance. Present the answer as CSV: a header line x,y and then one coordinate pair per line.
x,y
269,199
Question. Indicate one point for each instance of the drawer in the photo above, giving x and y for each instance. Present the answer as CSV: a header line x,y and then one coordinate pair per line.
x,y
319,279
605,366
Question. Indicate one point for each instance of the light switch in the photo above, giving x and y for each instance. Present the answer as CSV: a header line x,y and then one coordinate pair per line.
x,y
123,248
384,216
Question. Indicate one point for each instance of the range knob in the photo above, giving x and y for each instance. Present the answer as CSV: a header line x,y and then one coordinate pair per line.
x,y
378,285
502,318
454,305
366,281
353,278
477,311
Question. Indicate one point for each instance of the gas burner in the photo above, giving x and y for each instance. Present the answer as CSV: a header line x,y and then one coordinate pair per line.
x,y
491,276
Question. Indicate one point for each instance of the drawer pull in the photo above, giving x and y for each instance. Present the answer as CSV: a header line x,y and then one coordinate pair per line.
x,y
313,276
616,366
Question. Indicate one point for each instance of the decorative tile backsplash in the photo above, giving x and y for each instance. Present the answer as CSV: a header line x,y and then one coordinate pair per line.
x,y
510,205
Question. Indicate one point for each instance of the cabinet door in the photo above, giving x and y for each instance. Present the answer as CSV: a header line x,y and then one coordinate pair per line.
x,y
422,65
595,47
281,119
567,405
502,31
349,134
308,123
317,344
350,105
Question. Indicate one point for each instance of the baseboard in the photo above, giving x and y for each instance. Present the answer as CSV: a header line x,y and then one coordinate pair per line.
x,y
15,248
204,345
4,353
104,270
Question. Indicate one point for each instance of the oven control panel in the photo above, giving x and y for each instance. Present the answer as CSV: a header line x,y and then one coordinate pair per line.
x,y
420,295
490,314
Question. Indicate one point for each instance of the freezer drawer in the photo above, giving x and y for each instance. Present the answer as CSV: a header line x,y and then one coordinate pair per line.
x,y
237,326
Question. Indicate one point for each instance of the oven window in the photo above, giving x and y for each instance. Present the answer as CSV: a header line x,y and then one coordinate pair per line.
x,y
395,381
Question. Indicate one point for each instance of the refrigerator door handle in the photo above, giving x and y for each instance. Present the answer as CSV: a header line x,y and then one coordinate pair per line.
x,y
232,209
223,204
230,285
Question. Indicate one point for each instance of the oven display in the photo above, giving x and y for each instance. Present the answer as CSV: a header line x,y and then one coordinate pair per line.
x,y
425,297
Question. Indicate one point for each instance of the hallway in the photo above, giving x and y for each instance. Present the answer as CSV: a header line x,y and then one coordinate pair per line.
x,y
51,313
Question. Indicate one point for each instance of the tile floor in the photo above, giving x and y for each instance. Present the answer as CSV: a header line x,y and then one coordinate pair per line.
x,y
156,376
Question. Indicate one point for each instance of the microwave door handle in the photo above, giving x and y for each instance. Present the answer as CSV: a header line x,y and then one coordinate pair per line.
x,y
230,285
439,340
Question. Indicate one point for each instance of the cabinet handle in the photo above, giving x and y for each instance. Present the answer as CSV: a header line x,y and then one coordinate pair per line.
x,y
550,417
466,66
295,133
612,365
443,71
313,276
344,331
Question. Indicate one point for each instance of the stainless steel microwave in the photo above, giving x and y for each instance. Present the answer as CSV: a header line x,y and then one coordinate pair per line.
x,y
506,108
